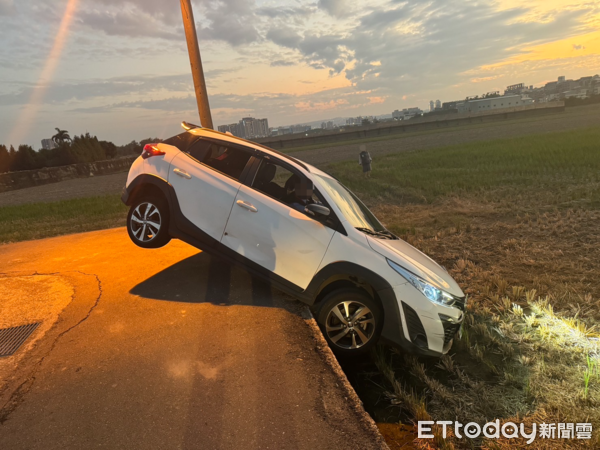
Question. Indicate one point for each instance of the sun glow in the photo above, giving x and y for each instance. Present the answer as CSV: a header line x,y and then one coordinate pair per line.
x,y
30,110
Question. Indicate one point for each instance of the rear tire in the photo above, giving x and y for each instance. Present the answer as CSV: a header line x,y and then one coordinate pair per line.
x,y
148,222
351,321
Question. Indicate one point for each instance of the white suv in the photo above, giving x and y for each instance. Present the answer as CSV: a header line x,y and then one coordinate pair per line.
x,y
300,229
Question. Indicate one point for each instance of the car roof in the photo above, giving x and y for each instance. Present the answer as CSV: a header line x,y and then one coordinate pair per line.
x,y
207,132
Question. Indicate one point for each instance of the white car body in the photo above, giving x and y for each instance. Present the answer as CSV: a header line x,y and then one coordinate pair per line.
x,y
299,252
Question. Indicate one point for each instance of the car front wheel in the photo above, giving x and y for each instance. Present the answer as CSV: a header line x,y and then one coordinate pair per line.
x,y
351,321
148,223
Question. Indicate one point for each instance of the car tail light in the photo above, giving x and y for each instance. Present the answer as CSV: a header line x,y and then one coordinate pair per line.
x,y
151,150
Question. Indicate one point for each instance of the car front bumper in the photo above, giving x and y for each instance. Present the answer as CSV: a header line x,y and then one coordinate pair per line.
x,y
419,326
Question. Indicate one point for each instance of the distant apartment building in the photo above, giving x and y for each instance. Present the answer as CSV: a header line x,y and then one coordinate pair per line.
x,y
431,105
247,128
231,128
407,113
438,104
48,144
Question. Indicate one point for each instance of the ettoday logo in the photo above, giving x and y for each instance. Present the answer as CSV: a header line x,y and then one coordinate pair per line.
x,y
509,430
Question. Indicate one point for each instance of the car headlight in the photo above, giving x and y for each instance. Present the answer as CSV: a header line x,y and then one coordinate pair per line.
x,y
431,292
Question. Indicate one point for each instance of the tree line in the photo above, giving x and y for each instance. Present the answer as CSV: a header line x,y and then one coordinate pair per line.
x,y
79,149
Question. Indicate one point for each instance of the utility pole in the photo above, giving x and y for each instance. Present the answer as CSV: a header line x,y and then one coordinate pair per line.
x,y
197,72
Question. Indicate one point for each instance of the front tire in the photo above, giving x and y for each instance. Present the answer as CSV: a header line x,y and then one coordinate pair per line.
x,y
148,223
351,321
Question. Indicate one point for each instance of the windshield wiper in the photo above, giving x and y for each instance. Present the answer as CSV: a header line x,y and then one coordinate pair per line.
x,y
384,234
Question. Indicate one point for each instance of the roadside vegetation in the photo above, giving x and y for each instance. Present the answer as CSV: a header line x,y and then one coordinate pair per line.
x,y
40,220
515,221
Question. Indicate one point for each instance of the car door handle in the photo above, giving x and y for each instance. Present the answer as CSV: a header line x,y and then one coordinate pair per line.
x,y
248,206
182,173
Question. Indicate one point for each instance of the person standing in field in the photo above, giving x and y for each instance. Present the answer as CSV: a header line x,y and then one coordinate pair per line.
x,y
364,159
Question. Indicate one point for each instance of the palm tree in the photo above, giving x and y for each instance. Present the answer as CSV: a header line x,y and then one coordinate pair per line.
x,y
61,136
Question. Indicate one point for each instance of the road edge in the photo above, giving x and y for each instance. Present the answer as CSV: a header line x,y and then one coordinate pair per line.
x,y
351,395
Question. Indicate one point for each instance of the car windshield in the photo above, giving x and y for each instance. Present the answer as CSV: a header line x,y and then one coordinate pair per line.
x,y
351,207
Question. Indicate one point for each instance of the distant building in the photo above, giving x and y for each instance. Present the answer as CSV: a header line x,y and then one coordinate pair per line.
x,y
232,128
447,106
48,144
407,113
514,89
431,105
438,104
576,93
247,128
561,79
481,105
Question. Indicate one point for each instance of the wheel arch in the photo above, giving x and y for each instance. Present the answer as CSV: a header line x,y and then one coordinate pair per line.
x,y
346,274
145,184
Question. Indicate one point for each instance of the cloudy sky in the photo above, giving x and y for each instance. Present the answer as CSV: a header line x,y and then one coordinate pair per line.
x,y
119,68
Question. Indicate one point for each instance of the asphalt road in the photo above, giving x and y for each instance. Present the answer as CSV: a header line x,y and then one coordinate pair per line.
x,y
166,349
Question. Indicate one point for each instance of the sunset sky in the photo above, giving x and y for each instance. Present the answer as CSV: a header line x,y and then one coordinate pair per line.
x,y
119,69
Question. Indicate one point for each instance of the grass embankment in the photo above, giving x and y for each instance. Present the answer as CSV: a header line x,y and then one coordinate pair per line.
x,y
516,223
40,220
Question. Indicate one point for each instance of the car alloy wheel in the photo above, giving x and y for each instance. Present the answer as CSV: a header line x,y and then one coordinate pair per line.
x,y
350,325
145,222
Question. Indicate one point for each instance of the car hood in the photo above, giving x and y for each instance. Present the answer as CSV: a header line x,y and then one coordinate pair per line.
x,y
417,262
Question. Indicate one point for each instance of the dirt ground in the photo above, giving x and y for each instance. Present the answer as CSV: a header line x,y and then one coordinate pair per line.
x,y
66,190
573,118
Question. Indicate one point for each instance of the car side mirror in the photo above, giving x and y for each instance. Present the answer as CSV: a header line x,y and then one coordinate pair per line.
x,y
317,210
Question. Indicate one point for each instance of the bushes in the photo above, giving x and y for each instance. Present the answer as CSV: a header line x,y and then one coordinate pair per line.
x,y
82,149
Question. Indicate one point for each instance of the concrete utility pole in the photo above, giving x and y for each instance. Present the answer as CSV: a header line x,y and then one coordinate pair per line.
x,y
197,72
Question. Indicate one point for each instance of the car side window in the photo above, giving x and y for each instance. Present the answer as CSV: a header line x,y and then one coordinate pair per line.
x,y
283,185
199,150
182,141
230,161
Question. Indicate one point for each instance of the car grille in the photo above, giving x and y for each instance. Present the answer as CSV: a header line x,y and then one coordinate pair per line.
x,y
415,327
450,328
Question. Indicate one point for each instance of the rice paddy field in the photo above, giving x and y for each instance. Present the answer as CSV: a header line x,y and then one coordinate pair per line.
x,y
517,223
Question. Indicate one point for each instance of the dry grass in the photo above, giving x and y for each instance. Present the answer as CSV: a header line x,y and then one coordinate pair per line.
x,y
526,249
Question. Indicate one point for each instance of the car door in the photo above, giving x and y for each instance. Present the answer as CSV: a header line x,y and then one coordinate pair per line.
x,y
206,181
264,228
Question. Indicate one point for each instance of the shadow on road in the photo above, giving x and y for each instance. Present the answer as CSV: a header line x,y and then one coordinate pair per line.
x,y
204,279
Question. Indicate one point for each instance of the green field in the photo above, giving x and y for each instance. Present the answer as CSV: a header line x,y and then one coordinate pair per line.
x,y
40,220
565,164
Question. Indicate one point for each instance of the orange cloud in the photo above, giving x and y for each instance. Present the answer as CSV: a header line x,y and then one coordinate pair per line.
x,y
577,46
376,99
482,79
